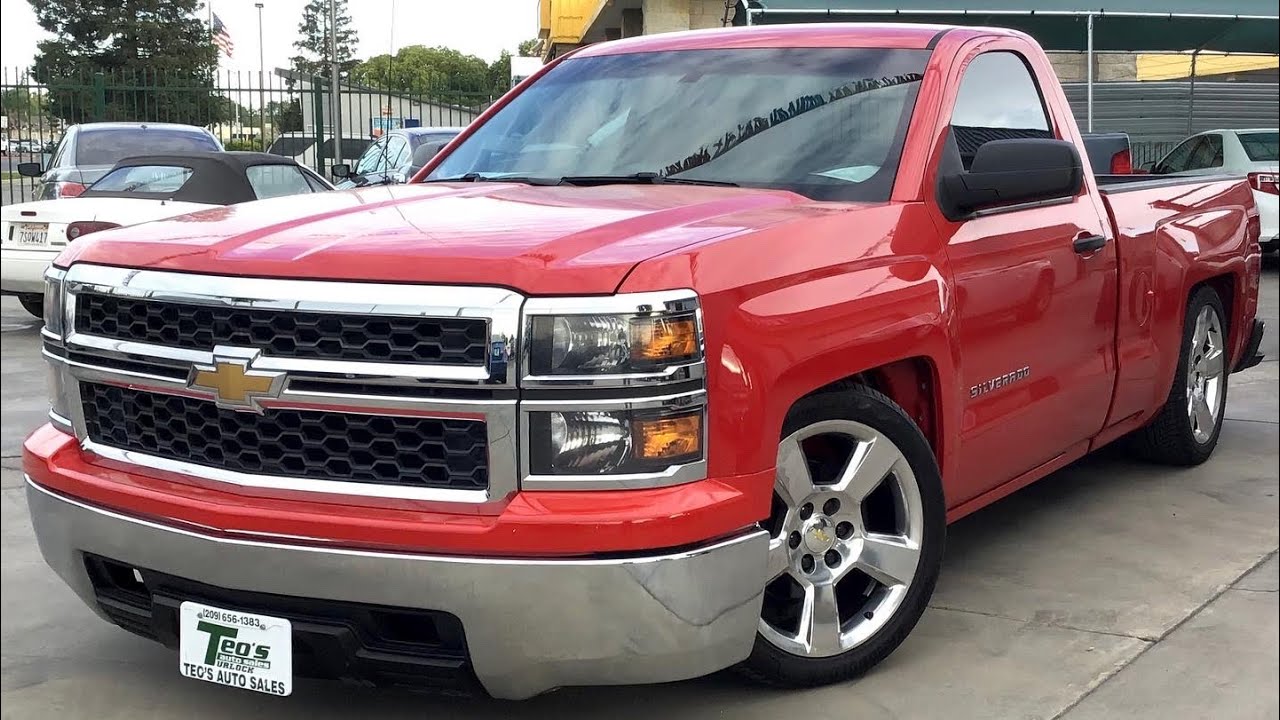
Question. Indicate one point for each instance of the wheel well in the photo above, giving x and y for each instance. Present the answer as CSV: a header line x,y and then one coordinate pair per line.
x,y
1225,286
910,383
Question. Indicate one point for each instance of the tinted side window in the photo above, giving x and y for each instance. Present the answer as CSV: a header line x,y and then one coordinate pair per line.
x,y
372,159
1207,154
998,100
270,181
1178,159
397,152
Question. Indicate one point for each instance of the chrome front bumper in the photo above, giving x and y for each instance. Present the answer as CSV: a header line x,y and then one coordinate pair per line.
x,y
531,625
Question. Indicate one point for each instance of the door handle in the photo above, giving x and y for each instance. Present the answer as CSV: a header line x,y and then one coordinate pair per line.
x,y
1089,243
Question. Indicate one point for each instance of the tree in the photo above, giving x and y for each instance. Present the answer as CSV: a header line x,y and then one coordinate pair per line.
x,y
156,58
440,74
313,47
500,74
530,48
285,116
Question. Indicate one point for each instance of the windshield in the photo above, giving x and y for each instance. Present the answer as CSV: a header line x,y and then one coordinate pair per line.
x,y
824,122
108,146
1261,146
144,179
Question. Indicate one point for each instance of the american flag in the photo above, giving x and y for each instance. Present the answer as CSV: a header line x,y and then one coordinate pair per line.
x,y
221,37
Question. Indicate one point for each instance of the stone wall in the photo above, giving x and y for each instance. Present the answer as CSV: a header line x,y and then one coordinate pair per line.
x,y
1107,67
662,16
706,14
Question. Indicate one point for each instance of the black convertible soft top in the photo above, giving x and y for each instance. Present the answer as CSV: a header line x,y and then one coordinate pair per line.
x,y
217,178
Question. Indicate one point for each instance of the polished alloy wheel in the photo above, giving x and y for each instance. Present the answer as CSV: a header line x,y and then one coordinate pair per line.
x,y
1206,373
847,527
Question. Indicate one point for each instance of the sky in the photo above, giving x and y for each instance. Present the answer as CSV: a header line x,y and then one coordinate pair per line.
x,y
477,27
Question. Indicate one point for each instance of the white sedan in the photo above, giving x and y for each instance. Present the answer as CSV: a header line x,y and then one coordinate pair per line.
x,y
136,190
1253,153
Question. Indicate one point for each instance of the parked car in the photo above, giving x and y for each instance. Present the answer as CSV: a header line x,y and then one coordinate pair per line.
x,y
1254,153
86,152
388,160
136,190
689,378
301,146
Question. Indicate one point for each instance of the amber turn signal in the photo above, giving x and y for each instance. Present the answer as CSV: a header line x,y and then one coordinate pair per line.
x,y
664,339
667,438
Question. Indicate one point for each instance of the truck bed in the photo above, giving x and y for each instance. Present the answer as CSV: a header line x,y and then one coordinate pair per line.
x,y
1111,184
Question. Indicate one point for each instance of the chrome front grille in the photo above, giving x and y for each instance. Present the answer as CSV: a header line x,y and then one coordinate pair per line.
x,y
389,391
286,333
411,452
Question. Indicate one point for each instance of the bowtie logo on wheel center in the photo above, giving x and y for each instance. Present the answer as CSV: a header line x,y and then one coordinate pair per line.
x,y
819,535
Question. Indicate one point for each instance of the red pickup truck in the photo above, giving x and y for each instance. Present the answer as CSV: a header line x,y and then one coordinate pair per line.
x,y
681,357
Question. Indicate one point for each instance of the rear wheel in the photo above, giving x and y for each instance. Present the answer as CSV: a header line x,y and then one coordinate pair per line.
x,y
33,304
1186,429
857,534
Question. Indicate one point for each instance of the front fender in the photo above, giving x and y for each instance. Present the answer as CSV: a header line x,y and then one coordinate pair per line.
x,y
802,305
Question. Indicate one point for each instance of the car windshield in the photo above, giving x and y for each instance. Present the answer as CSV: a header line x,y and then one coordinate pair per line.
x,y
1261,146
824,122
144,179
107,146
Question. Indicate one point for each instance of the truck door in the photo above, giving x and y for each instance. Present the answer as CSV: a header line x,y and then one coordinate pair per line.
x,y
1035,315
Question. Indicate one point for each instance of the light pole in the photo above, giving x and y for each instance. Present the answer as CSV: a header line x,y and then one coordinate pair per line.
x,y
262,85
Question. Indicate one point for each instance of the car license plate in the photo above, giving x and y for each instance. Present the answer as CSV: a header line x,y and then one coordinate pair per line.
x,y
32,234
239,649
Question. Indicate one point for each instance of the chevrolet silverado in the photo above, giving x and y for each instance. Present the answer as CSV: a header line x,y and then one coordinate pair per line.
x,y
689,372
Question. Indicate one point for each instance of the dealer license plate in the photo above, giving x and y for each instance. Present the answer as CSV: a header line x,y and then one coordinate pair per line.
x,y
31,234
229,647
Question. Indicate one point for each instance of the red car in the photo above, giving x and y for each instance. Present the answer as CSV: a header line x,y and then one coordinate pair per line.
x,y
680,358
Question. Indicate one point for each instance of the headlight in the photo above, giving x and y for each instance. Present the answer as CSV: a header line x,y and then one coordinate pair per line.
x,y
55,324
646,340
54,301
613,442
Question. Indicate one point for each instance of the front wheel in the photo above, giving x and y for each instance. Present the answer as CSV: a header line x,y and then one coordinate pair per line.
x,y
857,534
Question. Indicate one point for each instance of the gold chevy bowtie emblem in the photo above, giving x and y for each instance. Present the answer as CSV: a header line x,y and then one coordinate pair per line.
x,y
233,384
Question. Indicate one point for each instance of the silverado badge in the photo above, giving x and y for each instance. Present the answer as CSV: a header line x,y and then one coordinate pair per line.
x,y
233,382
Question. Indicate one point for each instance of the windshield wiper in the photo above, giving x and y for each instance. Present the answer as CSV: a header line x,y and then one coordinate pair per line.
x,y
640,178
477,177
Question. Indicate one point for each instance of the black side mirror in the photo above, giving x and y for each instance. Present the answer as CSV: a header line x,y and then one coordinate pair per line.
x,y
341,171
30,169
1006,172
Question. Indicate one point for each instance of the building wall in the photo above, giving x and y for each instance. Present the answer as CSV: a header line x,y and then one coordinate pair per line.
x,y
1107,67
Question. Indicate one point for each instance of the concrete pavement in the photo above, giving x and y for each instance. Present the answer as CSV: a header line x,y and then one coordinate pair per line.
x,y
1111,589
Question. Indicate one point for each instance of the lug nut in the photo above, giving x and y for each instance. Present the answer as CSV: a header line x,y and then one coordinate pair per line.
x,y
793,540
831,507
832,558
806,563
844,530
806,511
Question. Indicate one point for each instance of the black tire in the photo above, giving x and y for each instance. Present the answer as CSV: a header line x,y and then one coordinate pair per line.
x,y
33,304
1169,438
773,666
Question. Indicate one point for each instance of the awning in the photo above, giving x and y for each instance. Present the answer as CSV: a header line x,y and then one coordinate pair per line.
x,y
1240,26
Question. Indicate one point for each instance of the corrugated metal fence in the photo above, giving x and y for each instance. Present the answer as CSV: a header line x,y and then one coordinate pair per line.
x,y
1157,115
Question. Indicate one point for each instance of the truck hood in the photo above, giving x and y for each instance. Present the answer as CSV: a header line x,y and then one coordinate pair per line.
x,y
541,240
